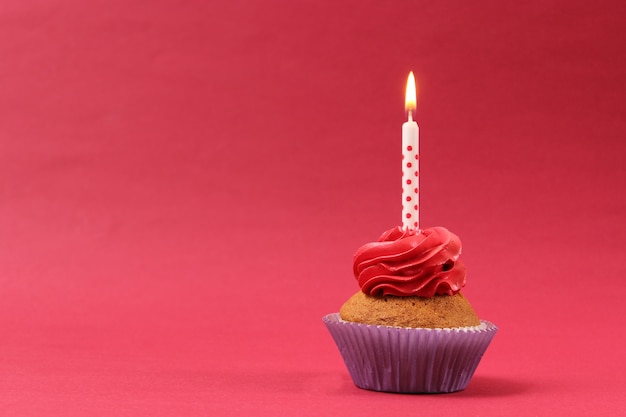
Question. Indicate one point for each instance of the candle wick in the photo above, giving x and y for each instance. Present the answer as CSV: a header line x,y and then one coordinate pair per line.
x,y
410,115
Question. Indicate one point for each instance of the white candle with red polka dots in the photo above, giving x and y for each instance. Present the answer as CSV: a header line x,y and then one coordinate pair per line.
x,y
410,161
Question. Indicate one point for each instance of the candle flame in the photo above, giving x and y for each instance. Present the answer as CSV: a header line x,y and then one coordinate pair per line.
x,y
410,101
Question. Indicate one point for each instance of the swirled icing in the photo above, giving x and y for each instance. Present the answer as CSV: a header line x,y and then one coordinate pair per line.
x,y
411,263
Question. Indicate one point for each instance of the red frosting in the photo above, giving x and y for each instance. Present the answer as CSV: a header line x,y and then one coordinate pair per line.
x,y
406,262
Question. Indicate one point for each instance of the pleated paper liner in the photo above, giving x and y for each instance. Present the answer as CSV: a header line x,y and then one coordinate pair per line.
x,y
410,360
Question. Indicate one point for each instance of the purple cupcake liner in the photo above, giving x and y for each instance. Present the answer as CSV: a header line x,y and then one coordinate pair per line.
x,y
410,360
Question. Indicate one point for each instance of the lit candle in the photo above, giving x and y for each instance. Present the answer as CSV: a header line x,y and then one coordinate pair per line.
x,y
410,160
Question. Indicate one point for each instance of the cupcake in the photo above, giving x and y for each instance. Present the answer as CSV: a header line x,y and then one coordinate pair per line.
x,y
409,329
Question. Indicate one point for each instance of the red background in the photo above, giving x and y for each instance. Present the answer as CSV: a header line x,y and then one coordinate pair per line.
x,y
183,185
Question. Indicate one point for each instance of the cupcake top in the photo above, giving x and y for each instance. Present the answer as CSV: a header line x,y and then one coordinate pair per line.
x,y
405,263
440,311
